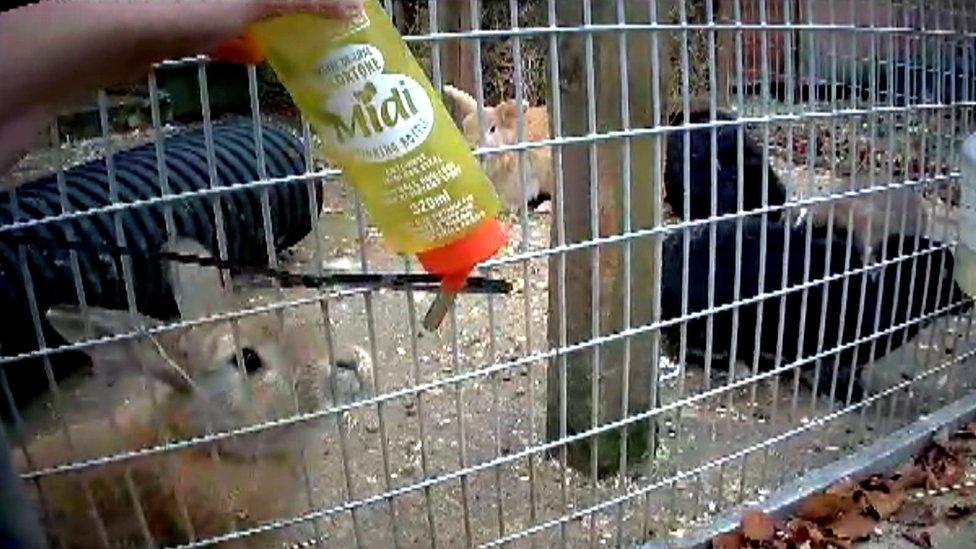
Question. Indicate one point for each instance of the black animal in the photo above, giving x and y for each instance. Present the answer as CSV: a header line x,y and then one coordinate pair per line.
x,y
727,167
934,264
841,323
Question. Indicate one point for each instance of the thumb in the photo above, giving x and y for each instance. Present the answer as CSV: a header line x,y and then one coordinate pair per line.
x,y
330,8
244,49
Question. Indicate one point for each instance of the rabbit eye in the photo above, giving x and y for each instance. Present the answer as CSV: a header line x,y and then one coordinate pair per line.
x,y
252,361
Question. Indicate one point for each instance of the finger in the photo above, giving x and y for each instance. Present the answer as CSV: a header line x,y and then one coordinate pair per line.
x,y
244,49
329,8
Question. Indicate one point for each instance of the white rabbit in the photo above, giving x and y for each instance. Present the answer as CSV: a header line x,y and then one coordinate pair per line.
x,y
284,370
502,129
864,216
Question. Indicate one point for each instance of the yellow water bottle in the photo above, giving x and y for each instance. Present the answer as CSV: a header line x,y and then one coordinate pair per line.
x,y
384,124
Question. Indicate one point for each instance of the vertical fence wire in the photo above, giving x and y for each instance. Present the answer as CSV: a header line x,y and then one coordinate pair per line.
x,y
221,236
594,255
433,18
523,210
625,181
560,362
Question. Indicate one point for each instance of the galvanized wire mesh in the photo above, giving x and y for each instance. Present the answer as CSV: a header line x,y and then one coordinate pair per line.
x,y
459,444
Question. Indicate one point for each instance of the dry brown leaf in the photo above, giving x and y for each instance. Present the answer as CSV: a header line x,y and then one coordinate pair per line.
x,y
952,472
942,454
933,456
823,508
886,504
921,539
853,527
914,476
730,540
916,514
860,501
874,483
758,526
959,512
965,433
800,531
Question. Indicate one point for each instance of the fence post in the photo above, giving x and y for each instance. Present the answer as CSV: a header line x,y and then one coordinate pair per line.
x,y
456,64
572,274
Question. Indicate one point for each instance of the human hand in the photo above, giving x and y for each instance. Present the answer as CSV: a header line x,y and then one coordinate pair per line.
x,y
57,52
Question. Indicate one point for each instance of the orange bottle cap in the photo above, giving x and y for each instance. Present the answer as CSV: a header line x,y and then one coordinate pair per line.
x,y
454,261
243,50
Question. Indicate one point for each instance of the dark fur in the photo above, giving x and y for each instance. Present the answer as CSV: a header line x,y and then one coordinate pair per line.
x,y
848,385
700,181
539,200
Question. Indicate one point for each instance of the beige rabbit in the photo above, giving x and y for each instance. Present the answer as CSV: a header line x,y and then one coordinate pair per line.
x,y
183,495
503,168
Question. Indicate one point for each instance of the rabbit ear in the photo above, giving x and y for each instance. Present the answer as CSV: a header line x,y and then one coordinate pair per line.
x,y
464,104
117,357
508,111
198,289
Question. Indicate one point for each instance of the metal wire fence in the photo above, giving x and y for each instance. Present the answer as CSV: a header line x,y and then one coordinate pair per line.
x,y
700,360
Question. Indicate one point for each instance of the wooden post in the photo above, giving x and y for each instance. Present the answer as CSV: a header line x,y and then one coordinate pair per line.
x,y
457,66
572,276
725,53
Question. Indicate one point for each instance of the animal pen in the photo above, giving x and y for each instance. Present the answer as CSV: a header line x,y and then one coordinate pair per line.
x,y
653,369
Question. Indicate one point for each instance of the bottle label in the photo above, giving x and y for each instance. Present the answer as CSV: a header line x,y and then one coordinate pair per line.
x,y
382,122
371,116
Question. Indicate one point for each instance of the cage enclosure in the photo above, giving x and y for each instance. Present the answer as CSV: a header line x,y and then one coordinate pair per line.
x,y
734,246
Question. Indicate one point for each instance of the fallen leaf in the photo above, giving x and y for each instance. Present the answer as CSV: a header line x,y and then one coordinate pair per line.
x,y
853,527
730,540
951,474
934,455
758,526
823,508
886,504
915,513
921,539
860,500
944,465
874,483
942,454
800,531
959,512
913,476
